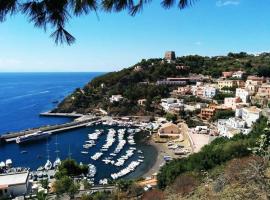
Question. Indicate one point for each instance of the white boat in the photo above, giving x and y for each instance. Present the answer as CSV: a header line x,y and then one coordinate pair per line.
x,y
91,170
97,155
57,162
48,165
8,163
84,152
103,181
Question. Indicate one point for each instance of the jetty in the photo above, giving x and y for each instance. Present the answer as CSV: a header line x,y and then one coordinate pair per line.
x,y
51,114
79,122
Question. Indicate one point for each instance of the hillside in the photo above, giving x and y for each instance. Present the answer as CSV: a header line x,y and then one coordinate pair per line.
x,y
139,82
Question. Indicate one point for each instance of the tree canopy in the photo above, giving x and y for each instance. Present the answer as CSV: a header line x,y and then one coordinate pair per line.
x,y
56,13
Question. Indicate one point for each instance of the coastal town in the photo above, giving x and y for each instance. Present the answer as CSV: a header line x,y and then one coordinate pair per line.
x,y
198,109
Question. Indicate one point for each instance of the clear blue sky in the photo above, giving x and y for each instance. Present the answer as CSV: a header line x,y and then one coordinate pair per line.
x,y
117,40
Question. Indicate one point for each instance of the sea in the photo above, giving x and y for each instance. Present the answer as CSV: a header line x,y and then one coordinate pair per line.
x,y
23,96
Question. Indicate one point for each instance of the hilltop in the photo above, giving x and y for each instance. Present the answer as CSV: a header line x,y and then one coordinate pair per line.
x,y
140,82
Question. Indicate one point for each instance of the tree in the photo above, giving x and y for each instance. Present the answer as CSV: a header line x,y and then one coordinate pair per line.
x,y
56,13
171,117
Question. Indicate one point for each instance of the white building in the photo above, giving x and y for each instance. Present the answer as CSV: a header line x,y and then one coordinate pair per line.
x,y
251,115
171,104
14,184
232,126
242,94
238,74
116,98
209,92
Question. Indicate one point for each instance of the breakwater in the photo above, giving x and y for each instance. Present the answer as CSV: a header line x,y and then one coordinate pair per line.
x,y
80,121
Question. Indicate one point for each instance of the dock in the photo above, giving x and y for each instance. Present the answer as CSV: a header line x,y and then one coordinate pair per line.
x,y
79,122
51,114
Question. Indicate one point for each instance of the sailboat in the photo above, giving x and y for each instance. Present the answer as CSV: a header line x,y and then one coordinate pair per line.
x,y
57,161
48,164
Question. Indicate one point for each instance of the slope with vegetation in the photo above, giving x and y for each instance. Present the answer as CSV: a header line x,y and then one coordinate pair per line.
x,y
134,85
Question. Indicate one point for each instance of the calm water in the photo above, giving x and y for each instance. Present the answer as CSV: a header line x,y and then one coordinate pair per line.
x,y
24,95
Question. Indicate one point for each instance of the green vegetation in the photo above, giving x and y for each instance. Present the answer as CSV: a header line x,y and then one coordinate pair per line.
x,y
223,114
64,182
135,85
56,14
171,117
216,153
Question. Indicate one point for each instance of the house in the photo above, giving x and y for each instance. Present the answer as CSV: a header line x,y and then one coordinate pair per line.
x,y
116,98
227,74
171,104
253,83
15,184
230,83
169,130
141,102
264,91
207,113
232,126
138,68
209,92
231,102
251,115
243,94
238,74
183,90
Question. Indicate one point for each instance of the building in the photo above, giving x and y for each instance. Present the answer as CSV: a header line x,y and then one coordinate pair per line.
x,y
238,74
15,184
231,102
183,90
207,113
230,83
141,102
251,115
232,126
255,80
243,94
169,130
138,68
116,98
227,74
169,55
253,83
209,92
172,104
264,90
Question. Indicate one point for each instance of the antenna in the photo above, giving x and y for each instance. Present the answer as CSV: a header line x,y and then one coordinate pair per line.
x,y
69,153
48,156
57,150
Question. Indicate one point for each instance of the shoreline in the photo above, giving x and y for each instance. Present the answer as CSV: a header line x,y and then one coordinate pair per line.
x,y
158,159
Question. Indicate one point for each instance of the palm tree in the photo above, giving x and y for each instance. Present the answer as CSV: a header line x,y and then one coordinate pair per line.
x,y
57,12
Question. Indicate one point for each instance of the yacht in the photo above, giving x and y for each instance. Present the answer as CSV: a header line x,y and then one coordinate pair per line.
x,y
92,170
48,165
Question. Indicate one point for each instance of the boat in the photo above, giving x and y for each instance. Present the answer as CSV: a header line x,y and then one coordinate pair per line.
x,y
84,152
33,136
92,170
48,165
57,161
23,152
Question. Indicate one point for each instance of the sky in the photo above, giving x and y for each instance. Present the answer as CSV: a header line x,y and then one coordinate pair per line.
x,y
116,40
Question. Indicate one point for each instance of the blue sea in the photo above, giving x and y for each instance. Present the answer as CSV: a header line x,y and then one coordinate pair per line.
x,y
23,96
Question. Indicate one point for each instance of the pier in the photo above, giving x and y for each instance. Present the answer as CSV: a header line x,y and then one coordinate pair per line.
x,y
79,122
50,114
